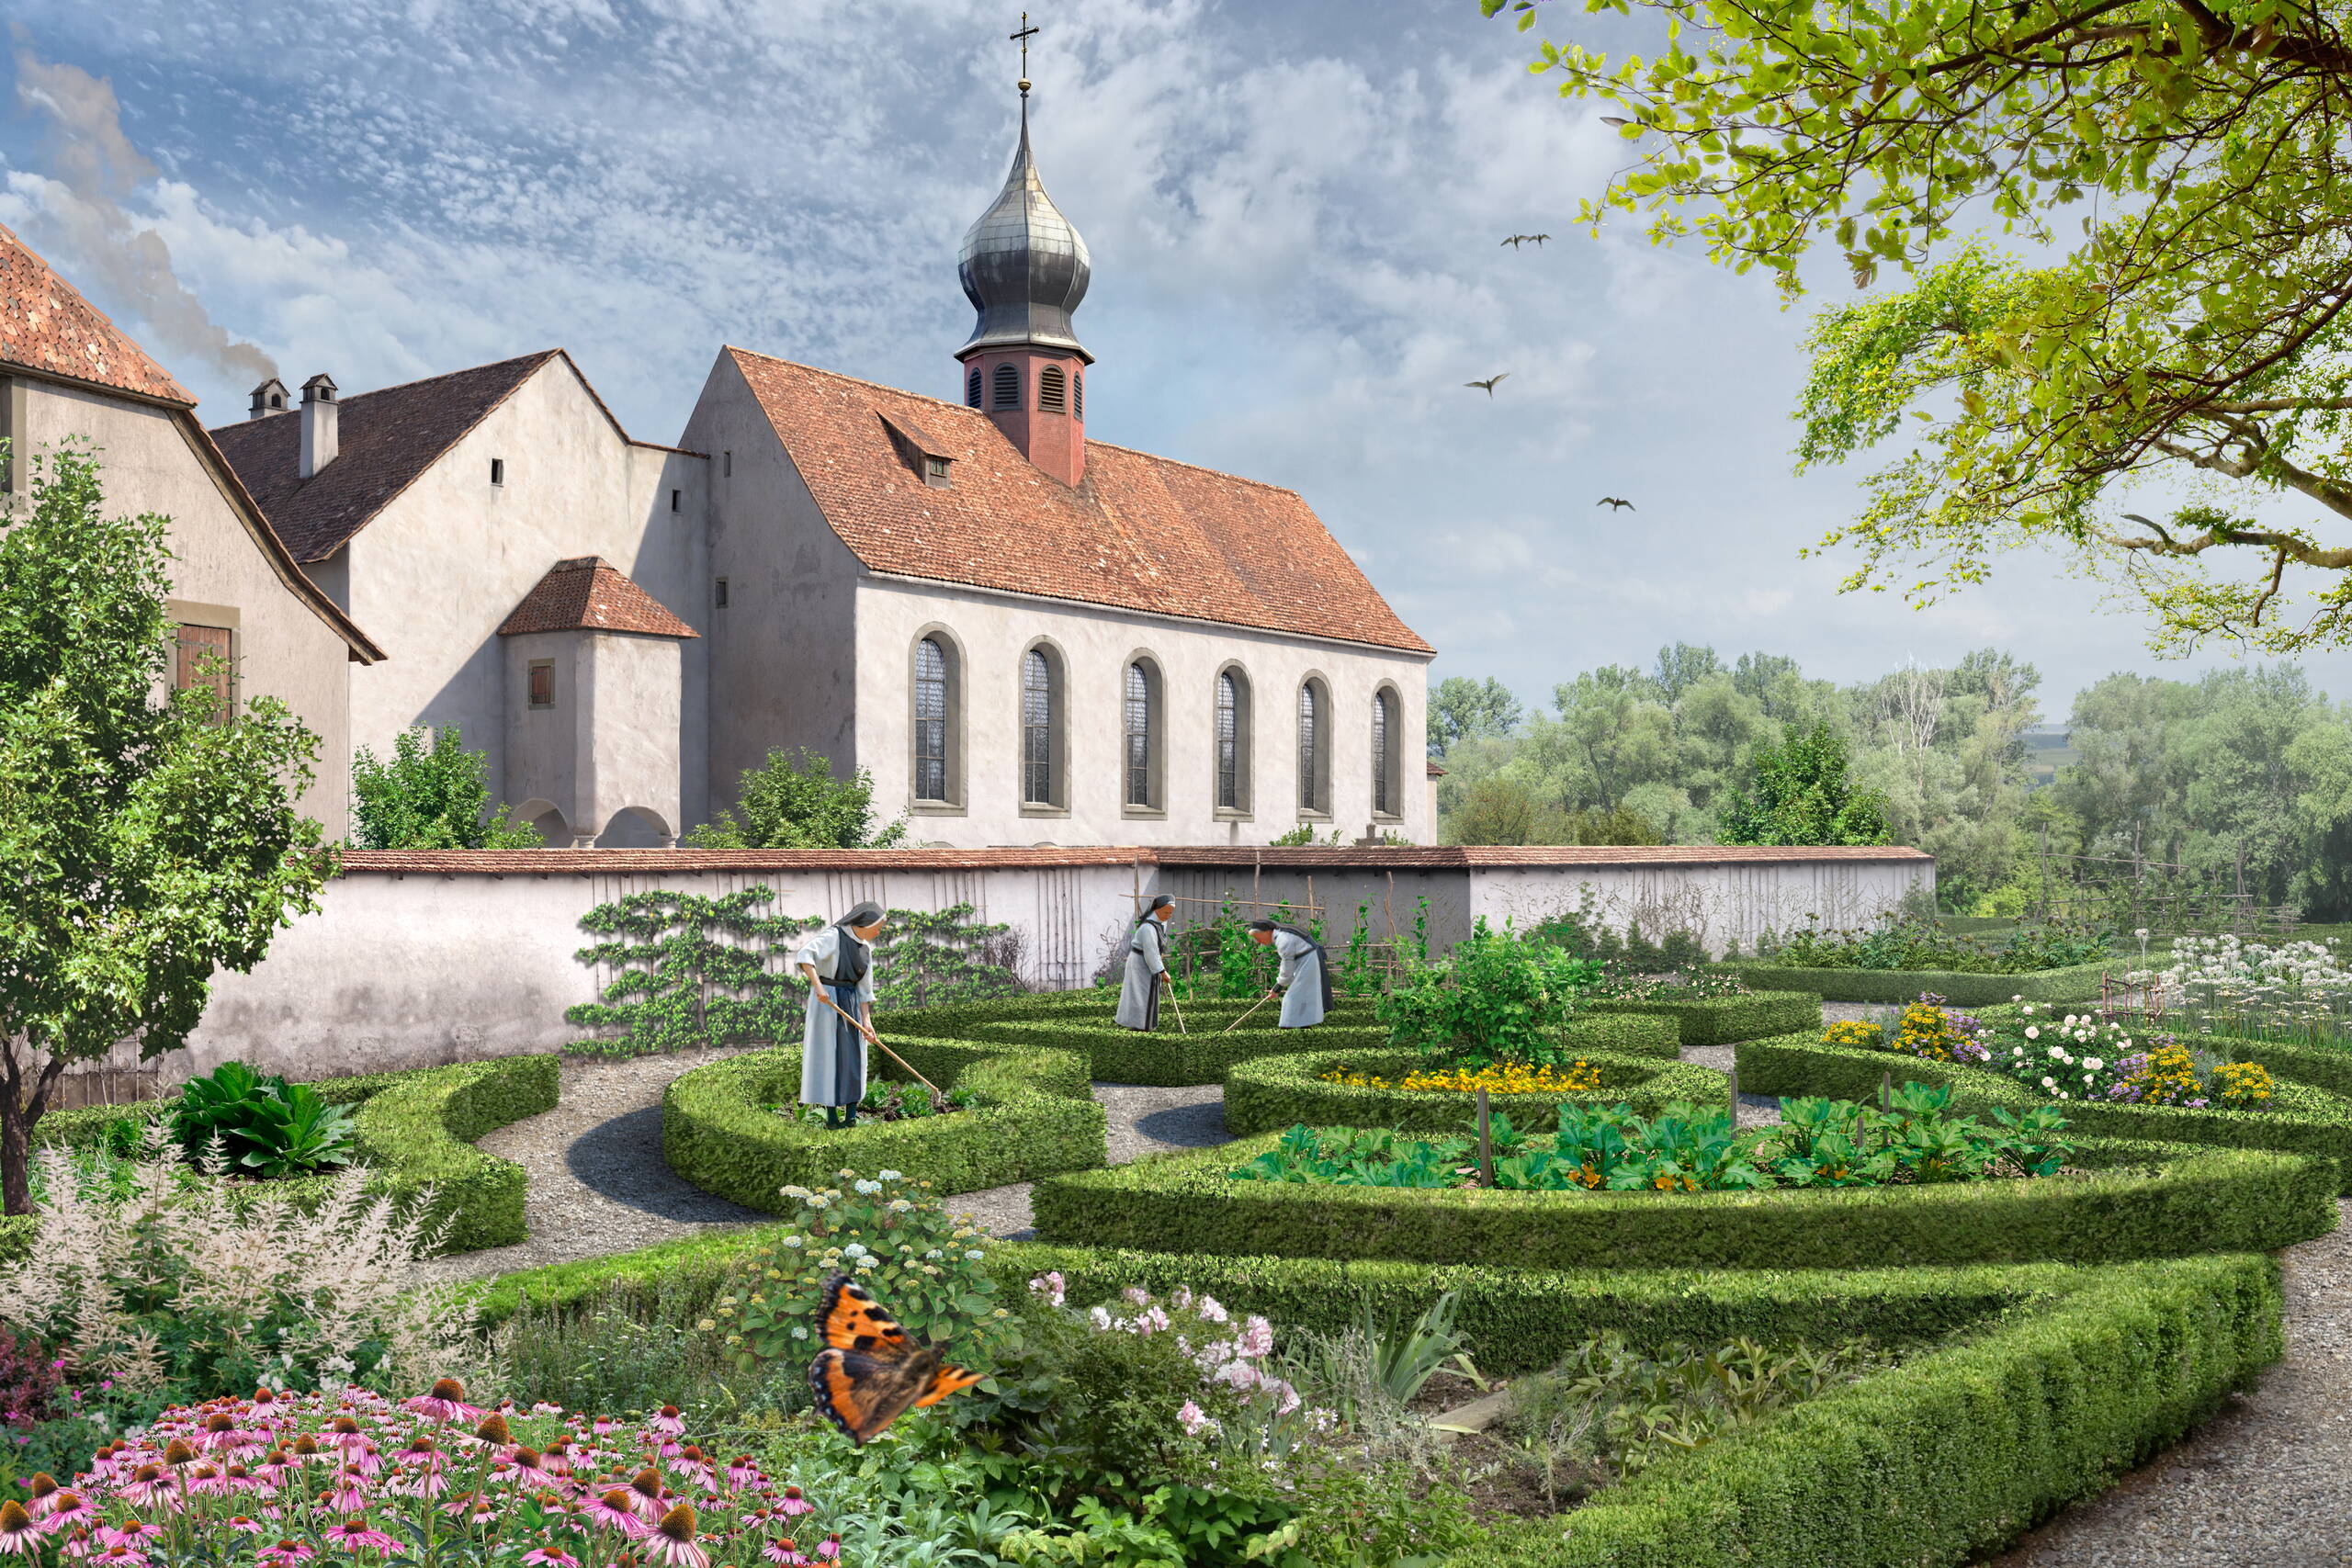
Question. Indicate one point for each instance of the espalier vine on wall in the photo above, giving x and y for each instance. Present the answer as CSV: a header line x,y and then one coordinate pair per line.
x,y
697,972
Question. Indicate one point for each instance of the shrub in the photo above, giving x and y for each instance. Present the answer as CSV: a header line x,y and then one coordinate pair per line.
x,y
1717,1020
1035,1115
2139,1201
1933,1032
1855,1033
434,799
2086,1056
795,803
30,1375
1905,944
891,1235
184,1289
264,1124
1493,998
1898,987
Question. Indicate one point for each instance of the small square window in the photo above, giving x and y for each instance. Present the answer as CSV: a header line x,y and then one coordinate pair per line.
x,y
676,497
934,473
543,682
726,465
498,470
718,593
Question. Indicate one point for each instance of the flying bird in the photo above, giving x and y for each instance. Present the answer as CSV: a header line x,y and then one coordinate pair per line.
x,y
1489,383
1617,502
1518,240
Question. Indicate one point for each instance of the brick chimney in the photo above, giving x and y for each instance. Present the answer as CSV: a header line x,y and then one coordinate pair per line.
x,y
319,415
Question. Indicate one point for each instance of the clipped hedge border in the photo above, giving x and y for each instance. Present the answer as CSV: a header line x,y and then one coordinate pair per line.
x,y
1268,1095
2303,1118
1725,1021
2144,1201
2030,1387
1039,1117
414,1129
2075,983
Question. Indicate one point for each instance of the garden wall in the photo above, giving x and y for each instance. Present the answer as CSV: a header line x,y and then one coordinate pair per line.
x,y
419,959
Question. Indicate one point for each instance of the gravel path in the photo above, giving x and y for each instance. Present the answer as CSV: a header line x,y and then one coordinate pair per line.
x,y
599,1184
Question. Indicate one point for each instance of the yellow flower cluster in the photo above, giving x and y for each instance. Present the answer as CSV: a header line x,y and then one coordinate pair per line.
x,y
1854,1033
2169,1077
1504,1077
2241,1083
1926,1031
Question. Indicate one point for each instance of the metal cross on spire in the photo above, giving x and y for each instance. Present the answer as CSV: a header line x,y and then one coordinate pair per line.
x,y
1023,38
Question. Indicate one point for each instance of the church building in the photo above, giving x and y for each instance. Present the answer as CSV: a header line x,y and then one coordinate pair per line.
x,y
1027,635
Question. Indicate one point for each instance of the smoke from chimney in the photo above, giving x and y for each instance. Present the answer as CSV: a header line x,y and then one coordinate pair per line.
x,y
97,166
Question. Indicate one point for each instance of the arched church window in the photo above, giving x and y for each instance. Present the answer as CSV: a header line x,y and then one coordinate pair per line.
x,y
1141,755
1232,741
930,720
1314,763
1040,727
1008,387
1053,389
972,388
1385,794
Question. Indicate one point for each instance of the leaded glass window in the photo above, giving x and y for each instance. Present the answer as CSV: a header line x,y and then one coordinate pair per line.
x,y
1228,742
1384,792
1036,727
1139,736
1310,748
930,720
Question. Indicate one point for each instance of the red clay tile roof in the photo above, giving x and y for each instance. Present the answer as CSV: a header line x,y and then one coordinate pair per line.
x,y
46,325
1439,857
384,440
1140,533
590,594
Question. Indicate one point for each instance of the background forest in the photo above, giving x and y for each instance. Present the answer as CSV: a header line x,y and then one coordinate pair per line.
x,y
2249,761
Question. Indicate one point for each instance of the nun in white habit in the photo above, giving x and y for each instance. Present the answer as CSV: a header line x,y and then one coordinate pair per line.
x,y
1146,970
1303,979
838,963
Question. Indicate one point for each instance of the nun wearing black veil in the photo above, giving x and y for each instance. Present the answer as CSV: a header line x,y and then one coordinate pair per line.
x,y
838,963
1146,970
1305,979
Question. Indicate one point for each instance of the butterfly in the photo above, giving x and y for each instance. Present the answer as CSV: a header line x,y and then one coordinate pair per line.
x,y
870,1371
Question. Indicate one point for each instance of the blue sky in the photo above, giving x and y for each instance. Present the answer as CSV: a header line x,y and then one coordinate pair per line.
x,y
1293,211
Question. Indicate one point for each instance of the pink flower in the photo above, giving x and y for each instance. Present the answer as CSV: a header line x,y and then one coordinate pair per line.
x,y
357,1535
243,1524
551,1557
781,1550
119,1557
20,1533
794,1503
76,1544
286,1553
616,1509
1210,1311
223,1433
1258,1338
148,1487
350,1494
70,1507
131,1534
1051,1285
1195,1419
741,1471
830,1548
672,1541
1137,1294
446,1402
668,1420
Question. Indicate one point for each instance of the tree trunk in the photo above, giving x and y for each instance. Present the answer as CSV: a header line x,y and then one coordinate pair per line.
x,y
18,1113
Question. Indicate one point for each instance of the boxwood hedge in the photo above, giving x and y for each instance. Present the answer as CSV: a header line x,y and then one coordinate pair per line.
x,y
2137,1200
2301,1119
414,1129
1275,1092
2027,1387
2075,983
1722,1020
1037,1116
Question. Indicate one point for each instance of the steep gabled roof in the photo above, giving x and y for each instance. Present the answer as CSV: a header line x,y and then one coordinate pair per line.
x,y
46,325
384,440
590,594
1140,531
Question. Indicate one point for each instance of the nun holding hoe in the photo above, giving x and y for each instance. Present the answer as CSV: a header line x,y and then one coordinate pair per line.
x,y
1305,979
838,963
1147,971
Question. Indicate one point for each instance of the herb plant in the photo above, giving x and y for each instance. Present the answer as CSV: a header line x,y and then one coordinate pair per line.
x,y
1494,998
264,1126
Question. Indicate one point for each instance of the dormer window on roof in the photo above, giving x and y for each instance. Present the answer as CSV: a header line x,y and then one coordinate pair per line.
x,y
917,450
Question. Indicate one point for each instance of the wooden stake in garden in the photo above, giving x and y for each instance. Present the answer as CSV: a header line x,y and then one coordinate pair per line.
x,y
1485,1145
1735,1099
1887,1091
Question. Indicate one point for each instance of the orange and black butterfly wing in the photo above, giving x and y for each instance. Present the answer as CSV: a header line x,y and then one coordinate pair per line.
x,y
947,1380
862,1393
849,1318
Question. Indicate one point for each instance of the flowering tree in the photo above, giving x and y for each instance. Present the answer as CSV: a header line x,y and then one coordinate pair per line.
x,y
150,838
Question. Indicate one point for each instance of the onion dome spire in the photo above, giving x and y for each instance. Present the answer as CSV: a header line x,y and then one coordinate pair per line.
x,y
1023,266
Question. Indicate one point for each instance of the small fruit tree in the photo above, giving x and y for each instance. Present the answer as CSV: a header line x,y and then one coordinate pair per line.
x,y
150,838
